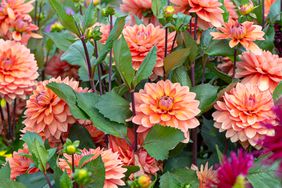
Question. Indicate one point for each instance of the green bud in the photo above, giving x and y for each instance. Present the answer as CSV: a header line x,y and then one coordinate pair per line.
x,y
144,181
71,149
109,11
240,182
169,11
57,27
82,176
3,103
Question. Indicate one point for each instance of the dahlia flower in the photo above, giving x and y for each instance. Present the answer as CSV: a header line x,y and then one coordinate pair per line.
x,y
240,33
47,114
18,70
141,9
264,70
19,164
141,158
141,39
233,169
55,68
105,30
207,176
241,112
273,144
226,66
10,10
231,9
167,104
208,11
113,166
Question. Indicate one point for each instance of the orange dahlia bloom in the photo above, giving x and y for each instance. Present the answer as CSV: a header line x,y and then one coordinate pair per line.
x,y
19,164
241,113
141,39
47,114
10,9
105,30
231,9
113,166
18,70
207,176
141,158
264,70
208,11
141,9
167,104
240,33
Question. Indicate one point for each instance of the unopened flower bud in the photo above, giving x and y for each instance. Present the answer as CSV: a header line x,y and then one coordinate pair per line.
x,y
57,27
96,2
169,11
240,182
71,149
82,176
95,33
109,11
144,181
3,103
246,8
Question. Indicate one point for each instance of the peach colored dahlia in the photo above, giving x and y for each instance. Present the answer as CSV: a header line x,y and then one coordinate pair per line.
x,y
206,175
264,70
10,9
138,8
241,33
113,166
208,11
241,112
46,113
18,70
141,39
19,164
231,9
167,104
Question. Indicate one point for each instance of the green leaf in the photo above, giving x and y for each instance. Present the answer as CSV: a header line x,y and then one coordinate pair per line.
x,y
84,160
114,107
96,167
114,35
35,180
219,48
185,39
75,55
83,136
206,38
175,59
123,61
157,136
65,181
221,75
5,172
206,94
146,68
275,11
11,184
37,150
263,176
277,93
181,20
66,20
180,75
66,93
268,43
62,40
131,170
157,6
89,17
226,13
87,102
179,178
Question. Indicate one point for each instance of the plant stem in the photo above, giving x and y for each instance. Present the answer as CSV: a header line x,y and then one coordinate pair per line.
x,y
263,10
135,126
205,59
111,57
9,121
14,117
173,43
194,131
234,66
72,163
35,12
90,76
99,69
48,180
165,50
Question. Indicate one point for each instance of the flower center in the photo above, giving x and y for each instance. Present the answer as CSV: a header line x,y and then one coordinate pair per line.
x,y
6,61
166,103
142,35
238,31
43,98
